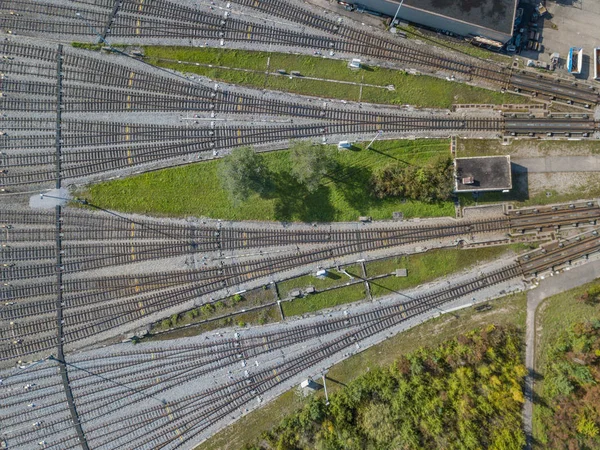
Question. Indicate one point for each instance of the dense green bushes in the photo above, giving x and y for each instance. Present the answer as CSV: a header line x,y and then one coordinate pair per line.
x,y
428,183
569,416
465,394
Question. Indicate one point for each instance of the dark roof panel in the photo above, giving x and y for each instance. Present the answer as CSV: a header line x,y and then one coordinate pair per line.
x,y
496,15
483,173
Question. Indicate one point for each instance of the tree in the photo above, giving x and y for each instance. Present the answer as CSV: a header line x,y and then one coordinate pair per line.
x,y
310,163
430,183
243,173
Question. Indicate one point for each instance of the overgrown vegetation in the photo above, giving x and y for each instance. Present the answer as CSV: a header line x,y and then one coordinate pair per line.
x,y
344,195
243,173
322,300
427,183
223,313
463,394
221,64
86,45
569,417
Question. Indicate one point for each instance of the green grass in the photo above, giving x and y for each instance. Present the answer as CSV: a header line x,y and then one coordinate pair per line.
x,y
322,300
334,278
428,266
196,190
508,310
421,91
554,315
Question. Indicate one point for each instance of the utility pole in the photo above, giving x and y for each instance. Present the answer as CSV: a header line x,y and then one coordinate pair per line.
x,y
325,387
397,11
379,133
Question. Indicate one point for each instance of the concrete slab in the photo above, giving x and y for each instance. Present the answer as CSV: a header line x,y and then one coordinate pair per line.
x,y
566,280
555,164
50,199
571,23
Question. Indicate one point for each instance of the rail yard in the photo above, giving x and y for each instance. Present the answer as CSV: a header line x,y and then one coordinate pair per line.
x,y
77,278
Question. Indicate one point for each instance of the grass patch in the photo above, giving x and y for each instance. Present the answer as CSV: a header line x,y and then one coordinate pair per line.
x,y
333,278
322,300
230,309
196,190
421,91
428,266
510,310
556,314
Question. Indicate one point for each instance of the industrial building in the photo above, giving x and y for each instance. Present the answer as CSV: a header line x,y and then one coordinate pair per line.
x,y
482,174
492,19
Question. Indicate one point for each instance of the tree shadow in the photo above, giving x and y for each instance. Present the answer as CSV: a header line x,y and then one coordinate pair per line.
x,y
354,184
294,201
387,155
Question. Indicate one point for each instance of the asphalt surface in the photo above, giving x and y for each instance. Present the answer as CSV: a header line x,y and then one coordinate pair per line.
x,y
547,288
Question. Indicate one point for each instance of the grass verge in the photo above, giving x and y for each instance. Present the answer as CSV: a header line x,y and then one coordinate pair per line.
x,y
195,189
507,310
425,267
322,300
423,91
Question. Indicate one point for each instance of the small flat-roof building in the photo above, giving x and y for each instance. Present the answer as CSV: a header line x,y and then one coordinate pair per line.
x,y
482,173
492,19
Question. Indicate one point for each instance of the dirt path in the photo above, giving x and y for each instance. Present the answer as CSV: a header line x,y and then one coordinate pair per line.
x,y
532,304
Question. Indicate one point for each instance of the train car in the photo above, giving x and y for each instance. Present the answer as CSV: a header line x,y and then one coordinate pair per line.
x,y
596,63
575,60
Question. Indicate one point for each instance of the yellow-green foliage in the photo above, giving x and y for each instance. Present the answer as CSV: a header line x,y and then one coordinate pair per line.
x,y
464,394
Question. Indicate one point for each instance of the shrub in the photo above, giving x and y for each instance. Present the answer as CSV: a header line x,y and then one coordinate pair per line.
x,y
430,183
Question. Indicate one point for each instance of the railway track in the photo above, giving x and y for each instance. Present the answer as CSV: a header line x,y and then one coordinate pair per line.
x,y
93,305
159,19
196,413
91,147
192,415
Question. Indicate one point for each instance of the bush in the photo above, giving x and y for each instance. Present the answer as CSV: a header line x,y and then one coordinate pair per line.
x,y
241,324
430,183
165,324
262,318
207,309
174,319
237,298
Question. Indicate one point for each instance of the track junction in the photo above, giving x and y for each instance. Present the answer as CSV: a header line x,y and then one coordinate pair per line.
x,y
72,278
